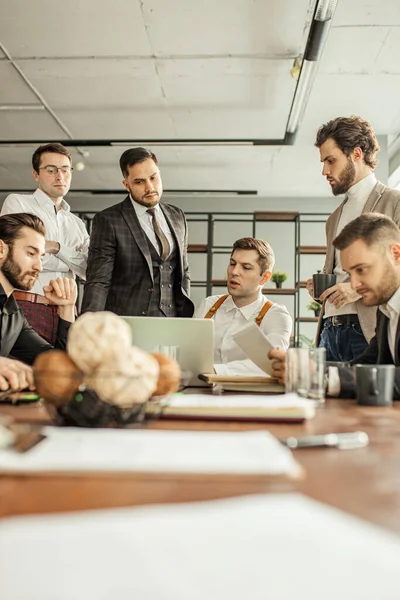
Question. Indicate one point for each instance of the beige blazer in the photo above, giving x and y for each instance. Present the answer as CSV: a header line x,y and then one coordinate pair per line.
x,y
382,200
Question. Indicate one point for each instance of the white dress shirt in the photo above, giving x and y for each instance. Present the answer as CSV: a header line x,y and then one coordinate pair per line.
x,y
146,223
62,227
392,311
229,359
357,196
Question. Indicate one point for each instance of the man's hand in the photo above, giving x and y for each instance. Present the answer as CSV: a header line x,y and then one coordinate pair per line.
x,y
310,287
61,291
340,295
15,375
52,247
279,365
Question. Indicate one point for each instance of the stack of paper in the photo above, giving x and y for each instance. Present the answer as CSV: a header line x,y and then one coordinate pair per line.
x,y
287,407
243,383
278,547
86,450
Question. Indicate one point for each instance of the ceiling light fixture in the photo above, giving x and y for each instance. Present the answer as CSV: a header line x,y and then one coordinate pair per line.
x,y
119,191
320,26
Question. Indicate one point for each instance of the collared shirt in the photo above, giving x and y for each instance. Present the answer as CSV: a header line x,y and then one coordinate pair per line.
x,y
62,227
146,223
18,338
392,311
229,319
357,196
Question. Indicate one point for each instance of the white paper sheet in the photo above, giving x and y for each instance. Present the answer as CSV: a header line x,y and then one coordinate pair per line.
x,y
249,400
74,449
255,345
275,547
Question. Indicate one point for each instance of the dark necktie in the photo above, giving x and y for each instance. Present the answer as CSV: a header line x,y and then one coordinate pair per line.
x,y
160,235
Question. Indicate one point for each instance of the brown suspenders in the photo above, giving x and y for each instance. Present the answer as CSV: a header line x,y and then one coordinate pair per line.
x,y
221,300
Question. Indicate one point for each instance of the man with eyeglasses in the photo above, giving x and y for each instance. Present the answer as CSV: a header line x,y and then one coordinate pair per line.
x,y
67,240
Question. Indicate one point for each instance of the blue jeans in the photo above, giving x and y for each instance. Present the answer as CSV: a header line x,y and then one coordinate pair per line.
x,y
342,342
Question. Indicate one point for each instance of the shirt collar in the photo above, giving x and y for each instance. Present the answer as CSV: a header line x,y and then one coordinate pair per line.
x,y
363,187
140,209
7,305
248,310
43,200
392,307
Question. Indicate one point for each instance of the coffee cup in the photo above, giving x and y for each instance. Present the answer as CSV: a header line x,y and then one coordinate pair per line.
x,y
322,281
375,384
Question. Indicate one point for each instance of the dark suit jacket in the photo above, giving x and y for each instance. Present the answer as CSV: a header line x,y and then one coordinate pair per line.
x,y
18,339
119,272
377,353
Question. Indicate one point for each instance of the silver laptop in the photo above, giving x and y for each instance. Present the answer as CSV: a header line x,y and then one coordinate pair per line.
x,y
194,337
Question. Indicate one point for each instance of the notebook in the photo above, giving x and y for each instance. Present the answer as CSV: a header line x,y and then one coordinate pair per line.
x,y
244,383
282,408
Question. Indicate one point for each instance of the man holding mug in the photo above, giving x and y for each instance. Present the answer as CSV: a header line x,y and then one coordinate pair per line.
x,y
369,249
348,148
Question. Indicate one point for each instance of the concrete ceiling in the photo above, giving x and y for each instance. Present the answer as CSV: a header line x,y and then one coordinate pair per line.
x,y
186,69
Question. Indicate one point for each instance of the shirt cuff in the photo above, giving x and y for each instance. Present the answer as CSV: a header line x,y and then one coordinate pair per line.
x,y
333,382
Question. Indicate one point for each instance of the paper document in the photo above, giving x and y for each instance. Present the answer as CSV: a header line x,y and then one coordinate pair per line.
x,y
245,383
82,450
239,400
284,407
276,546
255,345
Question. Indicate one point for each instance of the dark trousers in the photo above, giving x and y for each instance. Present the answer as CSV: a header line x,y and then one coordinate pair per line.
x,y
43,318
343,342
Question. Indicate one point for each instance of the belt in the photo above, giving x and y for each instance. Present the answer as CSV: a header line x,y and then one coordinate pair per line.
x,y
337,320
29,297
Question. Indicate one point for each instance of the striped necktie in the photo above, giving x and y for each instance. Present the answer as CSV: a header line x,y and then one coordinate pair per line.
x,y
163,242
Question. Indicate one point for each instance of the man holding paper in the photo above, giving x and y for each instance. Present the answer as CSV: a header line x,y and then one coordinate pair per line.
x,y
249,269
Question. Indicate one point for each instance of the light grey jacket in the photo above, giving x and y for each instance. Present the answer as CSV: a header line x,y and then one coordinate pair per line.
x,y
381,200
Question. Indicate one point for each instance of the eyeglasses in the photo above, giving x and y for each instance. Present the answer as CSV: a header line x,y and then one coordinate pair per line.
x,y
53,170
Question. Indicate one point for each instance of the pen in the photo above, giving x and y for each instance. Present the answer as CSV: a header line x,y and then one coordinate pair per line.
x,y
343,441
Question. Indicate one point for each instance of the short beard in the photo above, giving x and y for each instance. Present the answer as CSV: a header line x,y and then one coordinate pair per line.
x,y
149,204
389,285
346,179
12,272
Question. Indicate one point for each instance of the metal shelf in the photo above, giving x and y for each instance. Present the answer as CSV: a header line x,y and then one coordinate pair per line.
x,y
312,249
307,319
197,248
210,249
275,216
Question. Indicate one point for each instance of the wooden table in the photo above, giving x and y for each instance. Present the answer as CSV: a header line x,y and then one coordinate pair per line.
x,y
364,482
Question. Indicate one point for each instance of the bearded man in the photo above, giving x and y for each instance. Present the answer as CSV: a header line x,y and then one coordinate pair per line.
x,y
22,248
369,249
348,148
137,261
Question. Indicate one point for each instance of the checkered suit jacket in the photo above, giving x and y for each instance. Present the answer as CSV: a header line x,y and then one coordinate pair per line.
x,y
119,272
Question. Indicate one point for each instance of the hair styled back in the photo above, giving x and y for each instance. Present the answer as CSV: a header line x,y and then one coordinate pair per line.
x,y
132,156
266,257
11,226
54,148
349,133
371,228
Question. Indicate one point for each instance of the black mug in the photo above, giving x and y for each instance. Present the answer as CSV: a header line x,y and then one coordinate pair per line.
x,y
322,281
375,384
